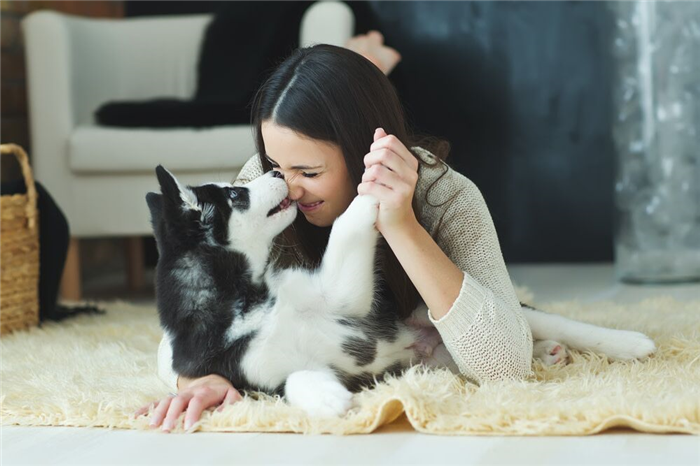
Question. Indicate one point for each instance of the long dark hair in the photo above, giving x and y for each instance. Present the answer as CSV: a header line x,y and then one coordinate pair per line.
x,y
332,94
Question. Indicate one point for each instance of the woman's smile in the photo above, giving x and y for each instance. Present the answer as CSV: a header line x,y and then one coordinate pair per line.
x,y
309,207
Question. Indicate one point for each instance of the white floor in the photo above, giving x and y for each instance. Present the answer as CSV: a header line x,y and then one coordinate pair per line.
x,y
394,444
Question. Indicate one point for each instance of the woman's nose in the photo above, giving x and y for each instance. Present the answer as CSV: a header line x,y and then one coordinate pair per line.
x,y
295,191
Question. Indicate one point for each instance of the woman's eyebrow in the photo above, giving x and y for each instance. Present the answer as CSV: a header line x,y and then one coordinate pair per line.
x,y
295,167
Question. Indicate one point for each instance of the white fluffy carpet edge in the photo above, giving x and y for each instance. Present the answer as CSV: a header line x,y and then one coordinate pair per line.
x,y
97,370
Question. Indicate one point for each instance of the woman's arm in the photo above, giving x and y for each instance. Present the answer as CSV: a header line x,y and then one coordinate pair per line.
x,y
391,175
469,294
437,279
485,328
462,277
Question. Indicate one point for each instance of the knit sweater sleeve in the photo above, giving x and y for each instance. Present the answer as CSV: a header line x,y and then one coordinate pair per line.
x,y
251,170
485,330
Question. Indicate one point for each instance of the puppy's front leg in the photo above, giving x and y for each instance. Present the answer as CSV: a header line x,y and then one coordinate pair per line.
x,y
346,275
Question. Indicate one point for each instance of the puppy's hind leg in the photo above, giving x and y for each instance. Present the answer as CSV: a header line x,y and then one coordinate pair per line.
x,y
616,344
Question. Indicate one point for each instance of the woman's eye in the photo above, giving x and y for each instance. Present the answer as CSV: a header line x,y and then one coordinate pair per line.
x,y
309,175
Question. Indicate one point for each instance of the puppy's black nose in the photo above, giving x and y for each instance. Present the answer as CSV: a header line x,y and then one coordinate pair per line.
x,y
277,174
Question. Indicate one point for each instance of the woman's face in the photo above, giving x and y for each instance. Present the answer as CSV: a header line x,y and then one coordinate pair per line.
x,y
315,172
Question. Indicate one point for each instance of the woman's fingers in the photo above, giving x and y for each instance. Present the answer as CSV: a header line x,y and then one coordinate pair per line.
x,y
205,392
384,157
145,408
392,144
177,406
382,175
160,411
390,161
378,134
232,396
375,189
198,403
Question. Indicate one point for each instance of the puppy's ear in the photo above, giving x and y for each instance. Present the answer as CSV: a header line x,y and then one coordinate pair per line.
x,y
168,183
173,191
155,205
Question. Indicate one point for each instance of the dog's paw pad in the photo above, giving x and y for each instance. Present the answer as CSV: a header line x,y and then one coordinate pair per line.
x,y
550,352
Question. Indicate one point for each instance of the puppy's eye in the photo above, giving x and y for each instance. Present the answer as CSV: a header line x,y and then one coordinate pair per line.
x,y
232,193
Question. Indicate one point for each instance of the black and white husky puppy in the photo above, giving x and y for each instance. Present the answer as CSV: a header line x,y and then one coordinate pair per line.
x,y
314,336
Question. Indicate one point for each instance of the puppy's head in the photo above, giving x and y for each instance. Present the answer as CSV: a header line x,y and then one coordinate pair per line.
x,y
220,214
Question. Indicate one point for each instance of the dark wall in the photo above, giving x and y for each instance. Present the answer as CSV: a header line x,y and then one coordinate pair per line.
x,y
522,92
153,8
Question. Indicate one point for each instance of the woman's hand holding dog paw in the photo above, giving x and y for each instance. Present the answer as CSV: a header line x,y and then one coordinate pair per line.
x,y
391,175
194,396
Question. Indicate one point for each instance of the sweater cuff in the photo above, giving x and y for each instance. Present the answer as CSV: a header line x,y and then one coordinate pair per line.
x,y
463,312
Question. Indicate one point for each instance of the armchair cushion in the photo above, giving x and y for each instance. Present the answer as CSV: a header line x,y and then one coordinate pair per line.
x,y
241,44
94,149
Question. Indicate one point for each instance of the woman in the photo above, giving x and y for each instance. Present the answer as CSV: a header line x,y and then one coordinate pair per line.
x,y
331,122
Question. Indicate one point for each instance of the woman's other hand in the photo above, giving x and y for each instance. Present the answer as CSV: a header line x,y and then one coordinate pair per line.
x,y
371,46
194,396
391,175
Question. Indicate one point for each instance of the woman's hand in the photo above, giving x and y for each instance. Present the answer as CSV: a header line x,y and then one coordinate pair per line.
x,y
371,46
195,396
391,174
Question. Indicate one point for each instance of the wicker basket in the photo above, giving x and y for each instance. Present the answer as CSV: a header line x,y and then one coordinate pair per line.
x,y
19,252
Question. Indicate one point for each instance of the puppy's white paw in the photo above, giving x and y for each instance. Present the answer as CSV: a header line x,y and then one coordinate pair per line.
x,y
362,213
628,345
550,352
318,393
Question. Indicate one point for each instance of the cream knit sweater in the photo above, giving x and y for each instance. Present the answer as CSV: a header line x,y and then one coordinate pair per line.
x,y
485,330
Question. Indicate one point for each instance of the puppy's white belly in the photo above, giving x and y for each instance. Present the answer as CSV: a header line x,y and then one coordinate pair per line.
x,y
286,345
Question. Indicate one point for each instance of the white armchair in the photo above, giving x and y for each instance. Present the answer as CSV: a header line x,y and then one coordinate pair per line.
x,y
98,175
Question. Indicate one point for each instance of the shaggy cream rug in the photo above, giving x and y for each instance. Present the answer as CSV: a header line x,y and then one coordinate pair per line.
x,y
97,370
